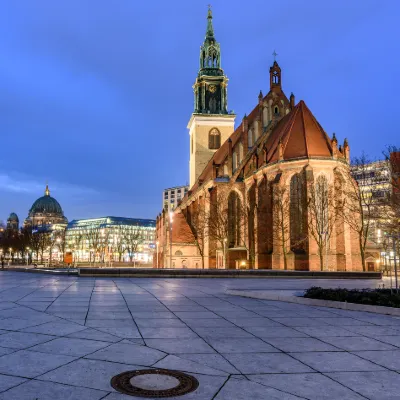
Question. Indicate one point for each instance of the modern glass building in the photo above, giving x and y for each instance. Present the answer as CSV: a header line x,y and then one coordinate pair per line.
x,y
111,239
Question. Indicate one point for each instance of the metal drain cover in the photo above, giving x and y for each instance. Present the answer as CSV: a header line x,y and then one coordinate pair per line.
x,y
154,383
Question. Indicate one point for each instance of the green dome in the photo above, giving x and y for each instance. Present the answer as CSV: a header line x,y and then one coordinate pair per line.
x,y
46,205
13,217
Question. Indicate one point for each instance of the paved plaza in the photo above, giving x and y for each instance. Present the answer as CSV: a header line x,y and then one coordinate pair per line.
x,y
65,338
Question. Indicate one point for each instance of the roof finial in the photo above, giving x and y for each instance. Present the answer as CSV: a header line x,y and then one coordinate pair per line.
x,y
210,29
274,54
47,191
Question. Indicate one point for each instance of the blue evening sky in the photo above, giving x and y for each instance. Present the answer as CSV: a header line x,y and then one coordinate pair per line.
x,y
95,95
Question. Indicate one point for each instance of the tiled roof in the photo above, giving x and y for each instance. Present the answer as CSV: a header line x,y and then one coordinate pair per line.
x,y
301,136
299,132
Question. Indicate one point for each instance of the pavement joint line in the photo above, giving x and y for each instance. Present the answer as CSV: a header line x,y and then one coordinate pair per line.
x,y
208,343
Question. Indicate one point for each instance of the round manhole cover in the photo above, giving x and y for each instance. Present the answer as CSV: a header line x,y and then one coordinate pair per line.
x,y
154,383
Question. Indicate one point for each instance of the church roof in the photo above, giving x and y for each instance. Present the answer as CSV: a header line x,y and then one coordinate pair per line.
x,y
300,135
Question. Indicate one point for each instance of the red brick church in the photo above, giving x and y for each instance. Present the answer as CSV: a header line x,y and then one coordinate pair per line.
x,y
263,195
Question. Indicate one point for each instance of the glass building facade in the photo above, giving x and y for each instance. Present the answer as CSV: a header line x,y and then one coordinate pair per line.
x,y
111,239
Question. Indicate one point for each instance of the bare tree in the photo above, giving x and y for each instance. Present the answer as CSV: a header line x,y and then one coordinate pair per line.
x,y
281,220
391,206
77,242
198,220
361,208
322,215
94,239
118,241
44,242
133,238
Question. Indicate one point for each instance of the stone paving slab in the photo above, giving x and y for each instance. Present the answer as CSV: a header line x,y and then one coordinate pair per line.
x,y
73,335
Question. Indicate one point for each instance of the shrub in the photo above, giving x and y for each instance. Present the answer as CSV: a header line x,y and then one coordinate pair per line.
x,y
376,297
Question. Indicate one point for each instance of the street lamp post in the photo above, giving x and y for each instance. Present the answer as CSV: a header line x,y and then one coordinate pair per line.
x,y
27,255
224,264
170,238
58,243
9,260
395,264
157,251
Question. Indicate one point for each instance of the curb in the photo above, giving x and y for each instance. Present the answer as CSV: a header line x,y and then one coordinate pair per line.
x,y
222,273
263,295
42,271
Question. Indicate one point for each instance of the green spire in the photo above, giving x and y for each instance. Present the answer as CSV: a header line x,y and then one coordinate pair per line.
x,y
210,29
210,53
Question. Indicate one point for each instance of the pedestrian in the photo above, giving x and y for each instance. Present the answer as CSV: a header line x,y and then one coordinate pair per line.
x,y
2,262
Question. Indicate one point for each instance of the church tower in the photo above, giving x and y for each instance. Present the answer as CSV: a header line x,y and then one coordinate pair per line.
x,y
210,124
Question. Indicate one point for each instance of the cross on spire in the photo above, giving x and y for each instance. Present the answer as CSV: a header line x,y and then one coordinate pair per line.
x,y
274,54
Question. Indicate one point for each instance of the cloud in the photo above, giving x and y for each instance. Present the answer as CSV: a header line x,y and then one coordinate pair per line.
x,y
15,183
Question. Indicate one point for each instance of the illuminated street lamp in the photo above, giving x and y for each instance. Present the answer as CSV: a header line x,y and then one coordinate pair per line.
x,y
157,243
170,237
225,240
27,255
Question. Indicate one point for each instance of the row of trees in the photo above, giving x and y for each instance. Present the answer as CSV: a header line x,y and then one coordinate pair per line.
x,y
325,210
120,240
28,243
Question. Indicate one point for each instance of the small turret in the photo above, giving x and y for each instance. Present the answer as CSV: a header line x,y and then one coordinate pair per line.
x,y
346,150
292,102
334,143
260,97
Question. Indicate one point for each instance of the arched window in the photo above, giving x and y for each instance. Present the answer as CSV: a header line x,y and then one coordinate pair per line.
x,y
234,218
276,110
234,161
321,204
297,210
178,253
191,142
250,138
214,139
275,77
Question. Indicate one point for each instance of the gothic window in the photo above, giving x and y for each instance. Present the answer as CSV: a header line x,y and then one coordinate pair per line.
x,y
276,110
214,139
234,215
321,203
234,161
250,138
240,152
297,210
275,77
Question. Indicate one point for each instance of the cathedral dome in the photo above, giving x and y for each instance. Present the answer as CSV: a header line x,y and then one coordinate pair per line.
x,y
13,217
46,205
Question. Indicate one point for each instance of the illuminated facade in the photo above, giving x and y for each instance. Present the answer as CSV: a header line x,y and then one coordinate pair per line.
x,y
46,212
111,239
374,179
263,195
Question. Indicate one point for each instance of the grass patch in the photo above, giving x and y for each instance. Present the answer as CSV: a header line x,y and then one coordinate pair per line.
x,y
374,297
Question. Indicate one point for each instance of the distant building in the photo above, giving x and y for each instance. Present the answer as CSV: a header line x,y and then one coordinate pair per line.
x,y
172,196
111,239
13,222
46,212
375,179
